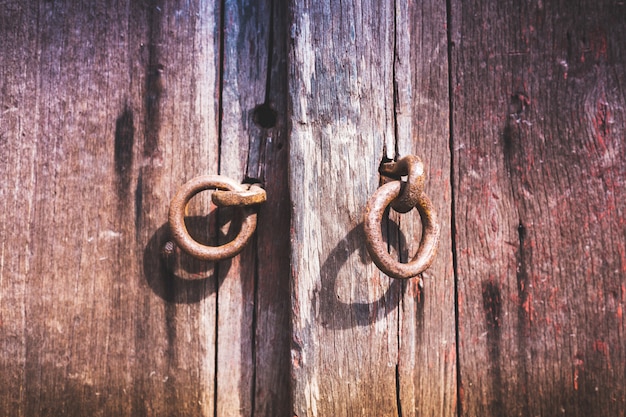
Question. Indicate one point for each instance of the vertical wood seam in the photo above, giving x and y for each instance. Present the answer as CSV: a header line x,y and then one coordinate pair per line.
x,y
270,52
220,80
453,230
220,119
400,249
395,85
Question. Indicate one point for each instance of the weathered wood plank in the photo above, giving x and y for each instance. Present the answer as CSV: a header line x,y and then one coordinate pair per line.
x,y
273,337
357,349
427,360
540,177
242,86
176,330
344,312
253,306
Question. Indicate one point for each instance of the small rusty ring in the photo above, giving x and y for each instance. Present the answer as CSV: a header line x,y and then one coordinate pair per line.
x,y
377,248
179,231
413,168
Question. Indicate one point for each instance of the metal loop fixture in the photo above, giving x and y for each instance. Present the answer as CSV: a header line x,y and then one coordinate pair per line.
x,y
254,194
405,195
412,167
232,194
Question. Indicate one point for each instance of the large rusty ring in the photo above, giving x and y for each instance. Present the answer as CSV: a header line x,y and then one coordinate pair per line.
x,y
179,231
377,248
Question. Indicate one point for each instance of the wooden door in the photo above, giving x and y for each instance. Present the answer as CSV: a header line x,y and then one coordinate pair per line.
x,y
107,108
517,109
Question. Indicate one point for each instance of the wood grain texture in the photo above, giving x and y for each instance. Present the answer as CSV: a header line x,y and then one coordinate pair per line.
x,y
427,360
253,305
538,94
361,89
273,390
345,337
106,108
96,92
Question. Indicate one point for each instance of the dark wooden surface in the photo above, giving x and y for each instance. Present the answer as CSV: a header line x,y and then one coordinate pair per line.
x,y
540,164
106,108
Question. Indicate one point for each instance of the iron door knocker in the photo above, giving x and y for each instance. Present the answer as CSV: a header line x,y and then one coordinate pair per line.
x,y
403,197
229,193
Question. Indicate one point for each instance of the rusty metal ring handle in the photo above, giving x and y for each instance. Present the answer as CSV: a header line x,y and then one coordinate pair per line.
x,y
178,206
376,246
